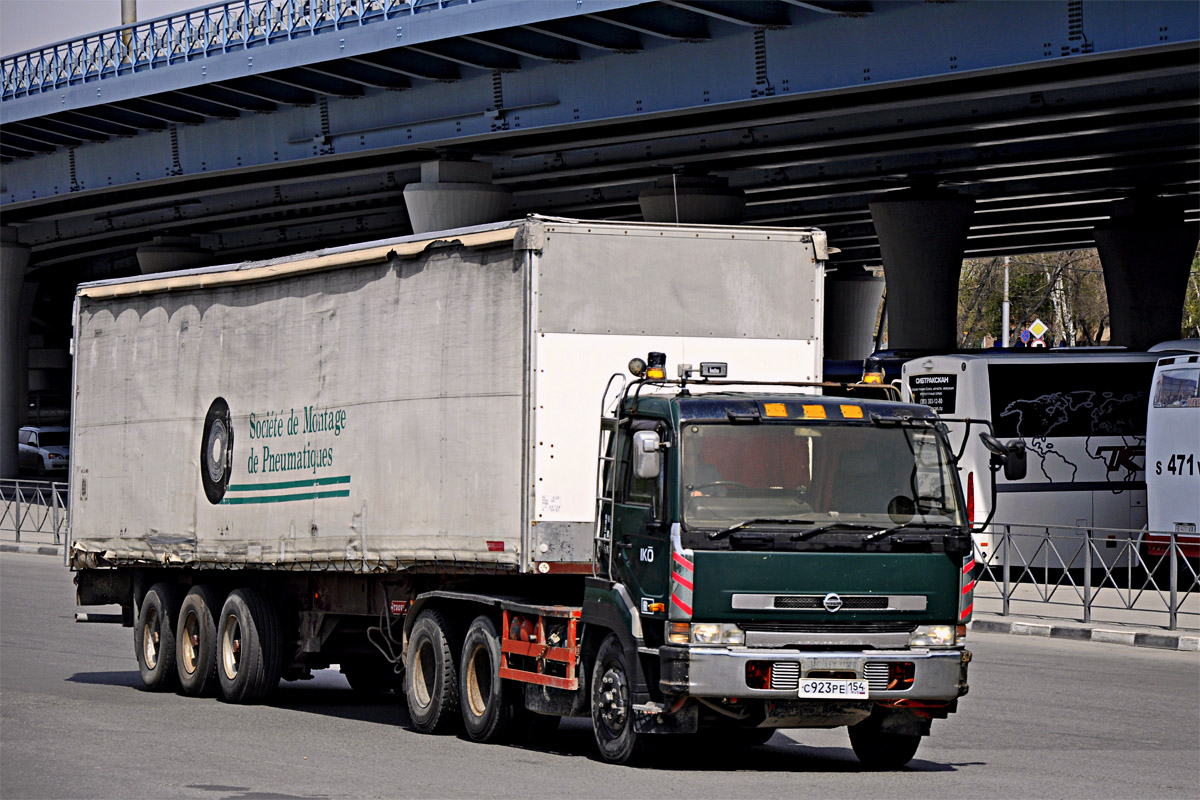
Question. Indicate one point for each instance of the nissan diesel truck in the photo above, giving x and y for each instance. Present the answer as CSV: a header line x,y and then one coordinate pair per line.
x,y
518,472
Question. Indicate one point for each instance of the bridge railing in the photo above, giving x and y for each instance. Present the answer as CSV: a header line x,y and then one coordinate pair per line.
x,y
190,35
1126,575
34,510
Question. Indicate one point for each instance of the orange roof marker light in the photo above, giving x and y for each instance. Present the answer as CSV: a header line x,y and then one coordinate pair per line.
x,y
852,412
814,412
775,409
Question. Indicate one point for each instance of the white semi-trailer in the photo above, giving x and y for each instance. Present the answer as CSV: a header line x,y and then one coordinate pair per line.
x,y
417,456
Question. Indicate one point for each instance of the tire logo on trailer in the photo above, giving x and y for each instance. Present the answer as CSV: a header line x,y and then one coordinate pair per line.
x,y
216,450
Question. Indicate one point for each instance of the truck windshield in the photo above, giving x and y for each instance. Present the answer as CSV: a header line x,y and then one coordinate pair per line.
x,y
816,473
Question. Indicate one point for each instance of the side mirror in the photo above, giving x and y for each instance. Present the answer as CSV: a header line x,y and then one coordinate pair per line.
x,y
1015,463
647,459
1011,455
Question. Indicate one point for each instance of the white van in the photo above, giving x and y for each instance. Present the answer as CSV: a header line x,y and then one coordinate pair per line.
x,y
1173,454
1082,416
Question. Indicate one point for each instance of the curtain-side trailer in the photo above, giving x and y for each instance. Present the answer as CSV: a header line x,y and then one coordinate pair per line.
x,y
411,458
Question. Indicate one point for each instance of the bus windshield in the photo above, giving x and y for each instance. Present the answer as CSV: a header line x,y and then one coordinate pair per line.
x,y
823,473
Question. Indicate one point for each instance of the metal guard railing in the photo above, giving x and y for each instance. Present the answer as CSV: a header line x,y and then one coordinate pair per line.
x,y
1090,568
189,35
29,507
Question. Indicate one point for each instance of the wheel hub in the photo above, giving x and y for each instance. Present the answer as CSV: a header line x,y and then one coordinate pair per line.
x,y
614,699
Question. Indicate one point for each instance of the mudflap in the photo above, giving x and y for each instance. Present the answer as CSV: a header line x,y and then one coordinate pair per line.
x,y
685,720
900,720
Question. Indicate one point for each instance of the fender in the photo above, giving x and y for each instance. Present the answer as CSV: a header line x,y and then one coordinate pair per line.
x,y
608,605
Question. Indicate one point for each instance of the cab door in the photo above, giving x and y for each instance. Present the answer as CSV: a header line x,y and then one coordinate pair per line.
x,y
640,532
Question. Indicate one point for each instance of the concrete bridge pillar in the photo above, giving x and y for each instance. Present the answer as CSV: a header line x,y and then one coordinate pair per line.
x,y
455,194
1146,251
14,257
171,253
852,298
922,237
689,199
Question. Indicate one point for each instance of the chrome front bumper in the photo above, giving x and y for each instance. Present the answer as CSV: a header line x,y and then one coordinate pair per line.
x,y
721,671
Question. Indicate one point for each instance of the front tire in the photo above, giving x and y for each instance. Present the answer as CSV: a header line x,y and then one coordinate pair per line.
x,y
249,652
612,708
488,710
154,637
431,675
881,750
196,642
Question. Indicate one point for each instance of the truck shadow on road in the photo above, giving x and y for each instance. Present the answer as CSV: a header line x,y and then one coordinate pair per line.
x,y
130,679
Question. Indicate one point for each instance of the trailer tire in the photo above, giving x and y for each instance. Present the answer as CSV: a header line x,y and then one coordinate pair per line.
x,y
154,637
881,750
249,647
487,701
612,707
196,642
431,675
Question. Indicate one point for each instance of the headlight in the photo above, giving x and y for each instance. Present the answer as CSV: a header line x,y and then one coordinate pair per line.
x,y
715,633
937,636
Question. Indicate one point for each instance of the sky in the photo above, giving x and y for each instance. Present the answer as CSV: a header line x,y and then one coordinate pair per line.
x,y
29,24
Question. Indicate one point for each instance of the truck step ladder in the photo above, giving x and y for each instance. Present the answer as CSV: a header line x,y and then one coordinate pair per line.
x,y
606,458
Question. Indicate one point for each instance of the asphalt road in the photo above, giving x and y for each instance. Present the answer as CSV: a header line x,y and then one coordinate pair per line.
x,y
1045,718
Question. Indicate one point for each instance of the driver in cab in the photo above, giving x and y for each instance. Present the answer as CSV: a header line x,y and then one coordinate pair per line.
x,y
701,479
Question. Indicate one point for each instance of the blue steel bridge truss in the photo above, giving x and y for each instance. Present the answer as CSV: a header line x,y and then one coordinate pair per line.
x,y
269,126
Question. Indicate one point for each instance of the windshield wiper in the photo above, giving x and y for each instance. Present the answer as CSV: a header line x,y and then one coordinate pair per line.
x,y
886,532
721,534
833,526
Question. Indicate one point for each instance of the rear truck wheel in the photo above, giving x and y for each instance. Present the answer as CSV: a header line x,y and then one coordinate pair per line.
x,y
431,675
371,675
249,647
882,750
196,642
489,711
154,637
612,708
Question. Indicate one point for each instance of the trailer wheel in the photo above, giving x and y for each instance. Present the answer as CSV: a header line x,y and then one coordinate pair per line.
x,y
881,750
154,637
249,651
488,708
431,675
612,709
196,642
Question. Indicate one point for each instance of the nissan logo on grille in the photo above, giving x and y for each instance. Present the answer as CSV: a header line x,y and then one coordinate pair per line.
x,y
832,602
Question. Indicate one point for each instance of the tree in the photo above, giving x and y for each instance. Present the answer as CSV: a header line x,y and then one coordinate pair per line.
x,y
1065,290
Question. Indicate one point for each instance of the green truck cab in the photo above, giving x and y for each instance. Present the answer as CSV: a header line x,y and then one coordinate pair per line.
x,y
780,560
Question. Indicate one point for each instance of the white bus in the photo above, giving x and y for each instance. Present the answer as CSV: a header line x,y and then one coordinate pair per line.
x,y
1082,416
1173,455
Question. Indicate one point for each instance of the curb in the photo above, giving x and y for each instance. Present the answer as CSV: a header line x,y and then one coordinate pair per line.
x,y
33,549
1162,641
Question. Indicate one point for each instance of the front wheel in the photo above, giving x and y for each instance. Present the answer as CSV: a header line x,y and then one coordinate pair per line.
x,y
612,708
882,750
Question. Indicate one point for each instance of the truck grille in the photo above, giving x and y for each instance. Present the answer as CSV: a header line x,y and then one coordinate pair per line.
x,y
785,676
814,602
876,674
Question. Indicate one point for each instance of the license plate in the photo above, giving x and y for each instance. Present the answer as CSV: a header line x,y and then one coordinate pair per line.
x,y
833,687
